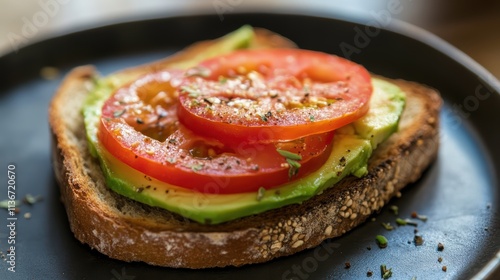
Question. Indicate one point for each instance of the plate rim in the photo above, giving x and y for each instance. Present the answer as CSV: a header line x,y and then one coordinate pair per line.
x,y
492,267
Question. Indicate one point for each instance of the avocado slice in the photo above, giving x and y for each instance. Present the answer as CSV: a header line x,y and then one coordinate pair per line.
x,y
349,155
352,147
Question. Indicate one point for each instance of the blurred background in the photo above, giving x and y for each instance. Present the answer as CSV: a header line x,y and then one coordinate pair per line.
x,y
471,26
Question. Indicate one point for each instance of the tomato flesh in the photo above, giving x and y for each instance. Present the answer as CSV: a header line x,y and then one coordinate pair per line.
x,y
273,95
139,126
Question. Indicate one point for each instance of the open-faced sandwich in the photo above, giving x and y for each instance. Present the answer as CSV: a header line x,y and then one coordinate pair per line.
x,y
234,151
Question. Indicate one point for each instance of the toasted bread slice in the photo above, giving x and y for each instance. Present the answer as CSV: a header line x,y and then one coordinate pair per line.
x,y
127,230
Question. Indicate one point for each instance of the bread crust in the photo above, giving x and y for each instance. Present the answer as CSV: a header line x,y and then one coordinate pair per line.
x,y
126,230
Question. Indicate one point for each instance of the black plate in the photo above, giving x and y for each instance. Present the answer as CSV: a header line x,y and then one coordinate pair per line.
x,y
459,192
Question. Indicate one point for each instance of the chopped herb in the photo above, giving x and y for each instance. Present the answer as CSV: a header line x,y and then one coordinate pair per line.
x,y
381,241
5,203
171,160
311,118
172,141
414,215
394,209
260,193
385,272
440,246
198,71
418,240
289,155
222,79
118,113
294,167
387,226
405,222
191,92
29,199
263,118
139,190
196,167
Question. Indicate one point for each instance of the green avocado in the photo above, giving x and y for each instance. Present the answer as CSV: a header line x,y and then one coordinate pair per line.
x,y
352,147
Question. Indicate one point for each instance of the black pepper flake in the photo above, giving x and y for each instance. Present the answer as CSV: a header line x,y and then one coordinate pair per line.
x,y
440,246
139,121
167,191
139,190
440,259
369,273
347,265
154,189
339,173
342,159
148,186
444,268
369,248
207,101
277,192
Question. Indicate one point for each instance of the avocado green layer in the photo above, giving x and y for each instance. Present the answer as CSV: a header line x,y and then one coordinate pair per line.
x,y
352,147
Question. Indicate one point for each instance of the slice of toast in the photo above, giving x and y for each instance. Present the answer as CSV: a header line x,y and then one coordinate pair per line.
x,y
127,230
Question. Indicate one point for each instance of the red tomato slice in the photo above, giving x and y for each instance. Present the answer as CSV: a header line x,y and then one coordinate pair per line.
x,y
279,94
139,126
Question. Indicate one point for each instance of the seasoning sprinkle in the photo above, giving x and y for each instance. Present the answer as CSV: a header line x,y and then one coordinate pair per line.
x,y
369,273
139,121
381,241
440,246
444,268
311,118
418,240
440,259
347,265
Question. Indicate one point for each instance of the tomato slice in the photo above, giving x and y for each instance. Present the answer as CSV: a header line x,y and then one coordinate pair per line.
x,y
278,94
139,126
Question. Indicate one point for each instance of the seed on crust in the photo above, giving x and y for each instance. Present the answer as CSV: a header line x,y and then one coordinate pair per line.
x,y
297,243
328,230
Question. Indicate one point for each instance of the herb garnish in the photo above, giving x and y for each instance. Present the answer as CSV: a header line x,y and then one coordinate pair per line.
x,y
289,155
292,160
260,193
191,91
387,226
381,241
385,272
118,113
196,167
198,72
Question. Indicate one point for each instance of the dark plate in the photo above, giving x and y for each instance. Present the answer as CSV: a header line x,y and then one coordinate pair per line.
x,y
459,192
